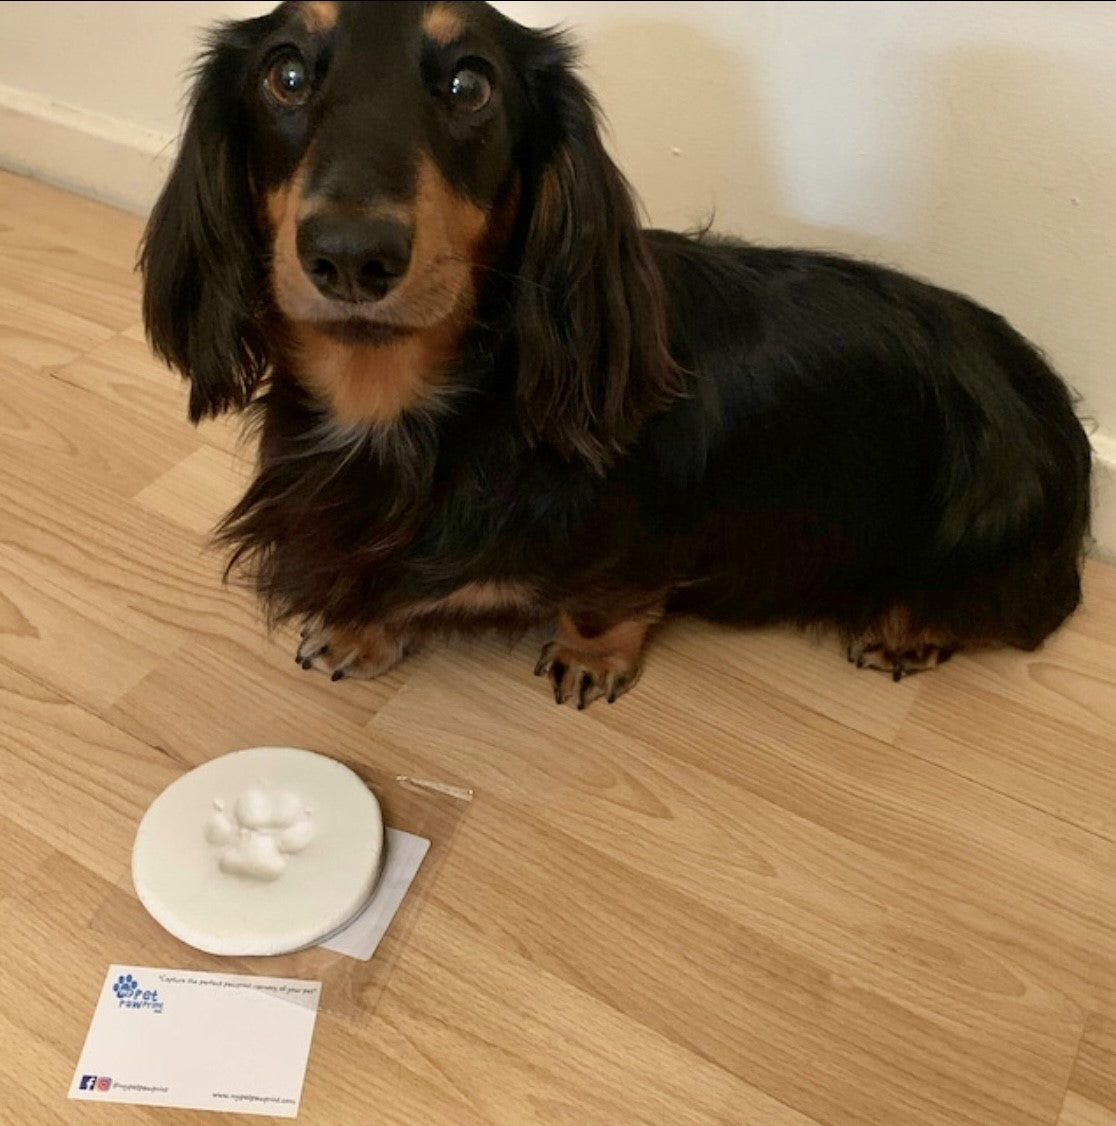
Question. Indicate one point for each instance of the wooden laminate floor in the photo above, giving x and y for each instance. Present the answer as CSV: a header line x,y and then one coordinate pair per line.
x,y
762,889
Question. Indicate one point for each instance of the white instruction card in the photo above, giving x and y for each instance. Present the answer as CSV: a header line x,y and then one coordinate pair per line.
x,y
202,1041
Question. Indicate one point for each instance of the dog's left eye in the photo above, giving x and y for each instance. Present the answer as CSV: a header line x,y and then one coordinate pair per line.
x,y
288,80
470,90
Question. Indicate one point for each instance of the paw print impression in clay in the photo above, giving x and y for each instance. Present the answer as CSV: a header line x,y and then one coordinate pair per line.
x,y
260,834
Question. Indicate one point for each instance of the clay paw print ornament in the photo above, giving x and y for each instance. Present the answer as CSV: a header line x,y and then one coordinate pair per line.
x,y
262,831
262,851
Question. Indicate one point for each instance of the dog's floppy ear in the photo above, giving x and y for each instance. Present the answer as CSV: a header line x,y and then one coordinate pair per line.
x,y
590,320
202,257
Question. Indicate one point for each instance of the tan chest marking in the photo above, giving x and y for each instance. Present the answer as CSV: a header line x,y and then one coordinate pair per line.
x,y
364,384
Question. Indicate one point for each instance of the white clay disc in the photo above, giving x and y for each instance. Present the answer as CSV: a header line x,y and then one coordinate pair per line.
x,y
262,851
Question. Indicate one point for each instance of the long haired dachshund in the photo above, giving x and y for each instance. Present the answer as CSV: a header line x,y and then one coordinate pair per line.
x,y
488,398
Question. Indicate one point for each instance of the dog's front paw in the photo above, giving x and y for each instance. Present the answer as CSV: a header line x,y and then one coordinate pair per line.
x,y
586,676
897,663
591,658
358,654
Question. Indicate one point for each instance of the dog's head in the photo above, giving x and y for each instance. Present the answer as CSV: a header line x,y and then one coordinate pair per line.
x,y
351,177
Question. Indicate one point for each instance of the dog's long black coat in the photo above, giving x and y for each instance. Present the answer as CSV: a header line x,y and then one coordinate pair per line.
x,y
848,438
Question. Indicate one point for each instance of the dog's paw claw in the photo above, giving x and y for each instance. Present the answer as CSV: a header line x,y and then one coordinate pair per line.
x,y
546,657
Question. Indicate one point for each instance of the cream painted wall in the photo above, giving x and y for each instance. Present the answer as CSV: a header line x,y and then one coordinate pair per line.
x,y
974,143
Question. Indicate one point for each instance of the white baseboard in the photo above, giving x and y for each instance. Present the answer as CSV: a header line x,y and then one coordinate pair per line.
x,y
96,156
1104,496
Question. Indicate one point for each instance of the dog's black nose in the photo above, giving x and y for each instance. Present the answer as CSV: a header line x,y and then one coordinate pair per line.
x,y
353,259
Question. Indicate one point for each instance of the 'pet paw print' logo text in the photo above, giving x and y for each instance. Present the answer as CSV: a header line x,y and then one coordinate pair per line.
x,y
131,995
264,829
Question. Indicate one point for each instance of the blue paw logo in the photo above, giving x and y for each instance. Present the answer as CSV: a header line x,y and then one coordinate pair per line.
x,y
131,995
126,987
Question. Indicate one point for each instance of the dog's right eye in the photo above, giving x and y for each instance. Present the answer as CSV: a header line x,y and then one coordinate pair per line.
x,y
288,80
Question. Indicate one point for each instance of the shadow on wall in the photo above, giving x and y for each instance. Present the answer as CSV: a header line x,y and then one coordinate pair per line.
x,y
990,171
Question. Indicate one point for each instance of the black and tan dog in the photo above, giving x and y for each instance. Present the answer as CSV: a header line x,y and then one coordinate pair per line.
x,y
488,398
